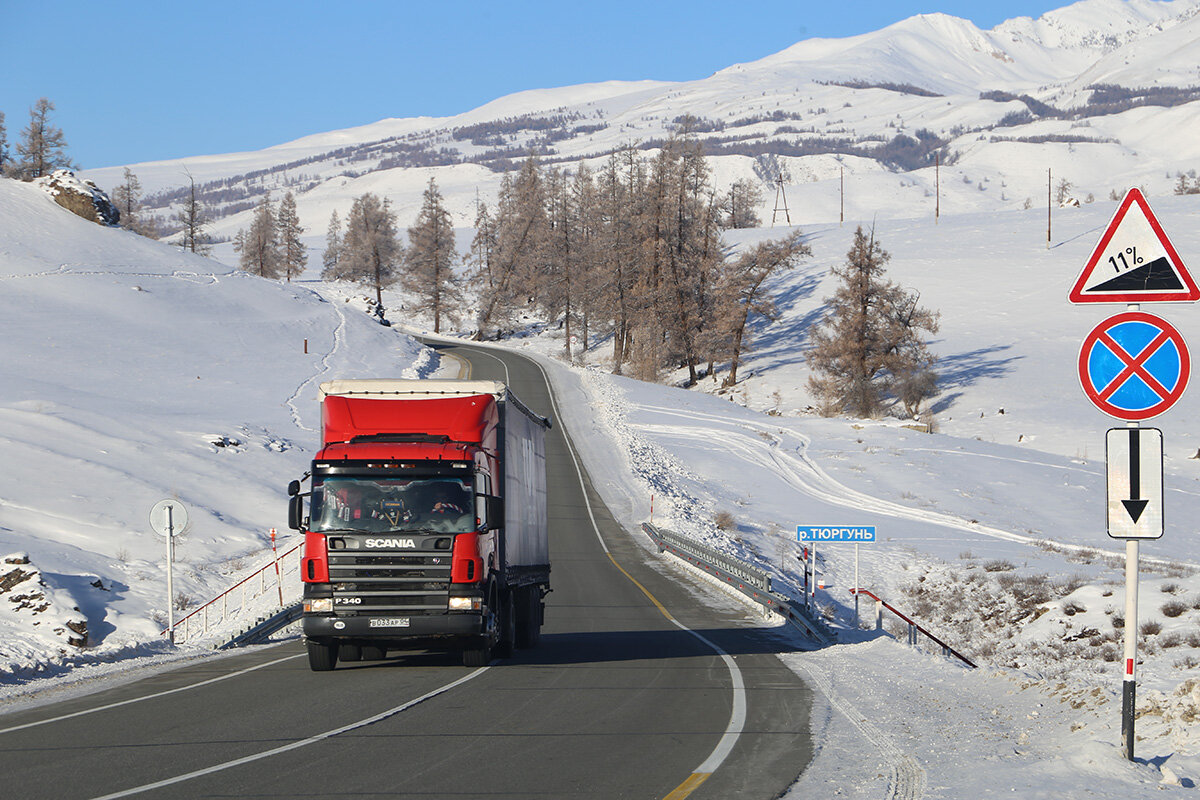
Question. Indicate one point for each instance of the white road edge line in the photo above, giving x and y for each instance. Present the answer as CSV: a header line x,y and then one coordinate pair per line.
x,y
737,716
320,737
146,697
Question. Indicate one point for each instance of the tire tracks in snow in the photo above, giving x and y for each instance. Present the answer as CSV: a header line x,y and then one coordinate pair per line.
x,y
339,337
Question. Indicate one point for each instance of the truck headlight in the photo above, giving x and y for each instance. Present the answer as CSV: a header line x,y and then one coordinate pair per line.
x,y
466,603
321,605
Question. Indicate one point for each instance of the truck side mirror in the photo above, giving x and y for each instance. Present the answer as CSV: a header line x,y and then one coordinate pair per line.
x,y
495,512
293,488
296,511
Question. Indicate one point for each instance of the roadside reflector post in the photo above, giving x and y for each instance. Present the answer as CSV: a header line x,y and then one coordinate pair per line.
x,y
1129,685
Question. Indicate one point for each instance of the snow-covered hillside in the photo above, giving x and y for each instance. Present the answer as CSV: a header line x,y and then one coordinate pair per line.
x,y
132,372
807,114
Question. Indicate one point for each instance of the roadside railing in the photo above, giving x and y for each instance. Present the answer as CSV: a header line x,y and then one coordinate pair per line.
x,y
749,580
914,629
263,591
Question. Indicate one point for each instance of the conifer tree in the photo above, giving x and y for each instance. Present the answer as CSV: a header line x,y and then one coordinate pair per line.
x,y
292,254
741,204
371,250
4,157
430,258
483,245
869,344
193,218
259,244
127,197
331,260
43,147
742,295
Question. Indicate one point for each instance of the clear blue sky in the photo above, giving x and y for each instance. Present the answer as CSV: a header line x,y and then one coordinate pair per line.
x,y
142,80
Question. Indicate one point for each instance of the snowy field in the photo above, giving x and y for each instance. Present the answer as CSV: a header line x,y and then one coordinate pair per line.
x,y
132,372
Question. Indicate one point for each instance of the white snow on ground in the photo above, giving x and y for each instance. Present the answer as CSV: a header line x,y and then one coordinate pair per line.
x,y
131,372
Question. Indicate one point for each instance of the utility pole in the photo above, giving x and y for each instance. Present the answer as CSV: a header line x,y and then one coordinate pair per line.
x,y
1049,205
780,194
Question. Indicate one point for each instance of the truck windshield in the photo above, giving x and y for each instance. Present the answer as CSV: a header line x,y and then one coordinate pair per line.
x,y
387,504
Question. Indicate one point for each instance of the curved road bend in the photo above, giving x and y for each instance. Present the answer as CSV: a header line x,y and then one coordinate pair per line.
x,y
616,702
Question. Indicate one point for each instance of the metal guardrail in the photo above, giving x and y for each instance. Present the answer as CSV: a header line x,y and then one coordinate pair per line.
x,y
267,626
754,583
913,627
236,600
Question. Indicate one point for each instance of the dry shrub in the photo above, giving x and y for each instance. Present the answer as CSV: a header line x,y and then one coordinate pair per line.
x,y
998,565
724,521
1174,608
1150,627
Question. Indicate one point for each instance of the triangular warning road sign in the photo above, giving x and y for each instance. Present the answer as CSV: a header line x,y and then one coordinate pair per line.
x,y
1134,262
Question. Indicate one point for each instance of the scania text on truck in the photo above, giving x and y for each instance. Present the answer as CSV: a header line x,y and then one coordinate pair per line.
x,y
427,523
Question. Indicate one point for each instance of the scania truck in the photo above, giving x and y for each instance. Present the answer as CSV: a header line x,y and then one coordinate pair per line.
x,y
426,524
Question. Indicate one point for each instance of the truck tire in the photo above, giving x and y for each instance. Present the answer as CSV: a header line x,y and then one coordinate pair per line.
x,y
322,656
529,617
477,656
350,652
372,653
508,625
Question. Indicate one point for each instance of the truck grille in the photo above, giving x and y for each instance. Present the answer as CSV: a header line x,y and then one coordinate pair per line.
x,y
410,582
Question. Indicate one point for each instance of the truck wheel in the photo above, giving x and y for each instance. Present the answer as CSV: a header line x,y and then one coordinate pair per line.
x,y
322,656
508,626
529,617
350,652
371,653
477,656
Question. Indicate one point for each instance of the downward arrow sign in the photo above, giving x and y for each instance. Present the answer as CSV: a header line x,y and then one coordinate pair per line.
x,y
1134,506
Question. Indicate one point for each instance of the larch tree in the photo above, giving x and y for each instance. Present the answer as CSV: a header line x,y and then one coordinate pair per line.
x,y
741,204
193,220
429,260
371,251
870,343
293,256
43,147
331,259
483,246
127,197
259,244
4,156
742,295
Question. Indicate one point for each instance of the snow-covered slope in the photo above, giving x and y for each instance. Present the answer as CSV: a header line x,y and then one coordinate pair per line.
x,y
132,372
929,72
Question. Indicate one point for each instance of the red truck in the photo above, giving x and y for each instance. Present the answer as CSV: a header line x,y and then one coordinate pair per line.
x,y
427,523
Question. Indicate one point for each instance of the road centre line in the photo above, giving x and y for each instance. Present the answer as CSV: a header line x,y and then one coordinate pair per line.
x,y
737,716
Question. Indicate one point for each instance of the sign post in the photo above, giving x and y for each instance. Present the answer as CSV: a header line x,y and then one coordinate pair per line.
x,y
167,518
834,533
1134,366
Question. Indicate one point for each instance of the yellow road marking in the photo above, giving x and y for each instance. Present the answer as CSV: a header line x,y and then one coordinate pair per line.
x,y
687,787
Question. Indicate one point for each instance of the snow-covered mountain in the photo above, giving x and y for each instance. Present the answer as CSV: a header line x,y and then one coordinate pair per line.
x,y
1004,105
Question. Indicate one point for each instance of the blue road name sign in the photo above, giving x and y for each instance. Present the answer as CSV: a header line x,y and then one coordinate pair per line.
x,y
834,533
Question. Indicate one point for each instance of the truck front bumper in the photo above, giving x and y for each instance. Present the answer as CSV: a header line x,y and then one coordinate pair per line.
x,y
327,626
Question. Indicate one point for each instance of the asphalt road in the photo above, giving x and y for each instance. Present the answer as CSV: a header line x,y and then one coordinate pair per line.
x,y
618,701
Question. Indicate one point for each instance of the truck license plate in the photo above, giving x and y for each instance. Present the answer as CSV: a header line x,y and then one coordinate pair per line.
x,y
388,622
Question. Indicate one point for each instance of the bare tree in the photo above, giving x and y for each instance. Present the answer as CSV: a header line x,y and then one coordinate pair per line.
x,y
193,218
371,249
869,343
43,147
4,156
430,258
742,293
331,260
127,197
741,204
259,244
292,254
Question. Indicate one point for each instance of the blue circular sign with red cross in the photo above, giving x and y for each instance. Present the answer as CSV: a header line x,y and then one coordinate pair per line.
x,y
1134,366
